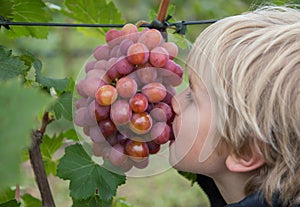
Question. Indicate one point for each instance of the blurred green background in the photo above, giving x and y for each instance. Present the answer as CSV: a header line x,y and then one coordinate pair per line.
x,y
65,52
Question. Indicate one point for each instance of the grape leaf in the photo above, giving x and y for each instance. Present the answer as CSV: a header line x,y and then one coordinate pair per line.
x,y
59,84
86,176
63,106
20,106
29,11
10,66
93,11
11,203
93,201
6,8
30,201
48,147
7,194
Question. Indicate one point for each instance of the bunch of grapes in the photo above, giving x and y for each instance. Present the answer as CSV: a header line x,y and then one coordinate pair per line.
x,y
125,104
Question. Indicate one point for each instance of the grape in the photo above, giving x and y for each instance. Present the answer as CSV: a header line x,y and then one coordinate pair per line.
x,y
126,87
107,127
79,88
155,92
159,56
138,54
140,123
79,118
138,103
117,155
162,112
122,139
130,31
120,112
95,134
137,150
106,95
101,149
122,66
112,37
90,66
172,49
151,38
160,132
124,45
141,164
139,69
100,65
147,75
153,147
112,140
101,52
115,52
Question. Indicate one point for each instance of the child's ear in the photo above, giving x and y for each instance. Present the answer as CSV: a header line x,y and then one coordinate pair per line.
x,y
245,162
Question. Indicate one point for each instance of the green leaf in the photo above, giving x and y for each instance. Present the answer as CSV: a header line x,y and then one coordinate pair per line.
x,y
59,84
20,106
86,176
93,201
63,106
30,201
6,8
29,11
11,203
7,194
190,176
93,11
10,66
48,147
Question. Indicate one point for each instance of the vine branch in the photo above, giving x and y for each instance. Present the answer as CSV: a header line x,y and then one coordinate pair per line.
x,y
38,165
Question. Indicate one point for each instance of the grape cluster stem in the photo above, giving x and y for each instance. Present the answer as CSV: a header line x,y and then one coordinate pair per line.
x,y
37,162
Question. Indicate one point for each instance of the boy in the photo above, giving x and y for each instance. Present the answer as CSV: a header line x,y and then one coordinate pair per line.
x,y
239,121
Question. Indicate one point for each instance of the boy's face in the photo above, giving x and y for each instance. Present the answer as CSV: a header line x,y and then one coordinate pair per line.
x,y
194,146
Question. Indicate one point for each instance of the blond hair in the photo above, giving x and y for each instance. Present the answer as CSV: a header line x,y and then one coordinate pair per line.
x,y
252,62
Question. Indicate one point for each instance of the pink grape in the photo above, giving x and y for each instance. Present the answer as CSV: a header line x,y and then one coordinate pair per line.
x,y
138,103
95,134
140,123
160,132
106,95
81,103
123,66
101,149
126,87
79,118
115,52
112,70
162,112
107,127
153,147
101,52
117,155
100,65
147,75
138,54
90,66
130,31
79,88
91,86
120,112
155,92
112,37
159,56
172,49
137,150
112,140
141,164
124,45
122,139
151,38
101,112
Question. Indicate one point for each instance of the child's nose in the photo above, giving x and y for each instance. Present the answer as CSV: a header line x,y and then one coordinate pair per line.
x,y
175,104
179,102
